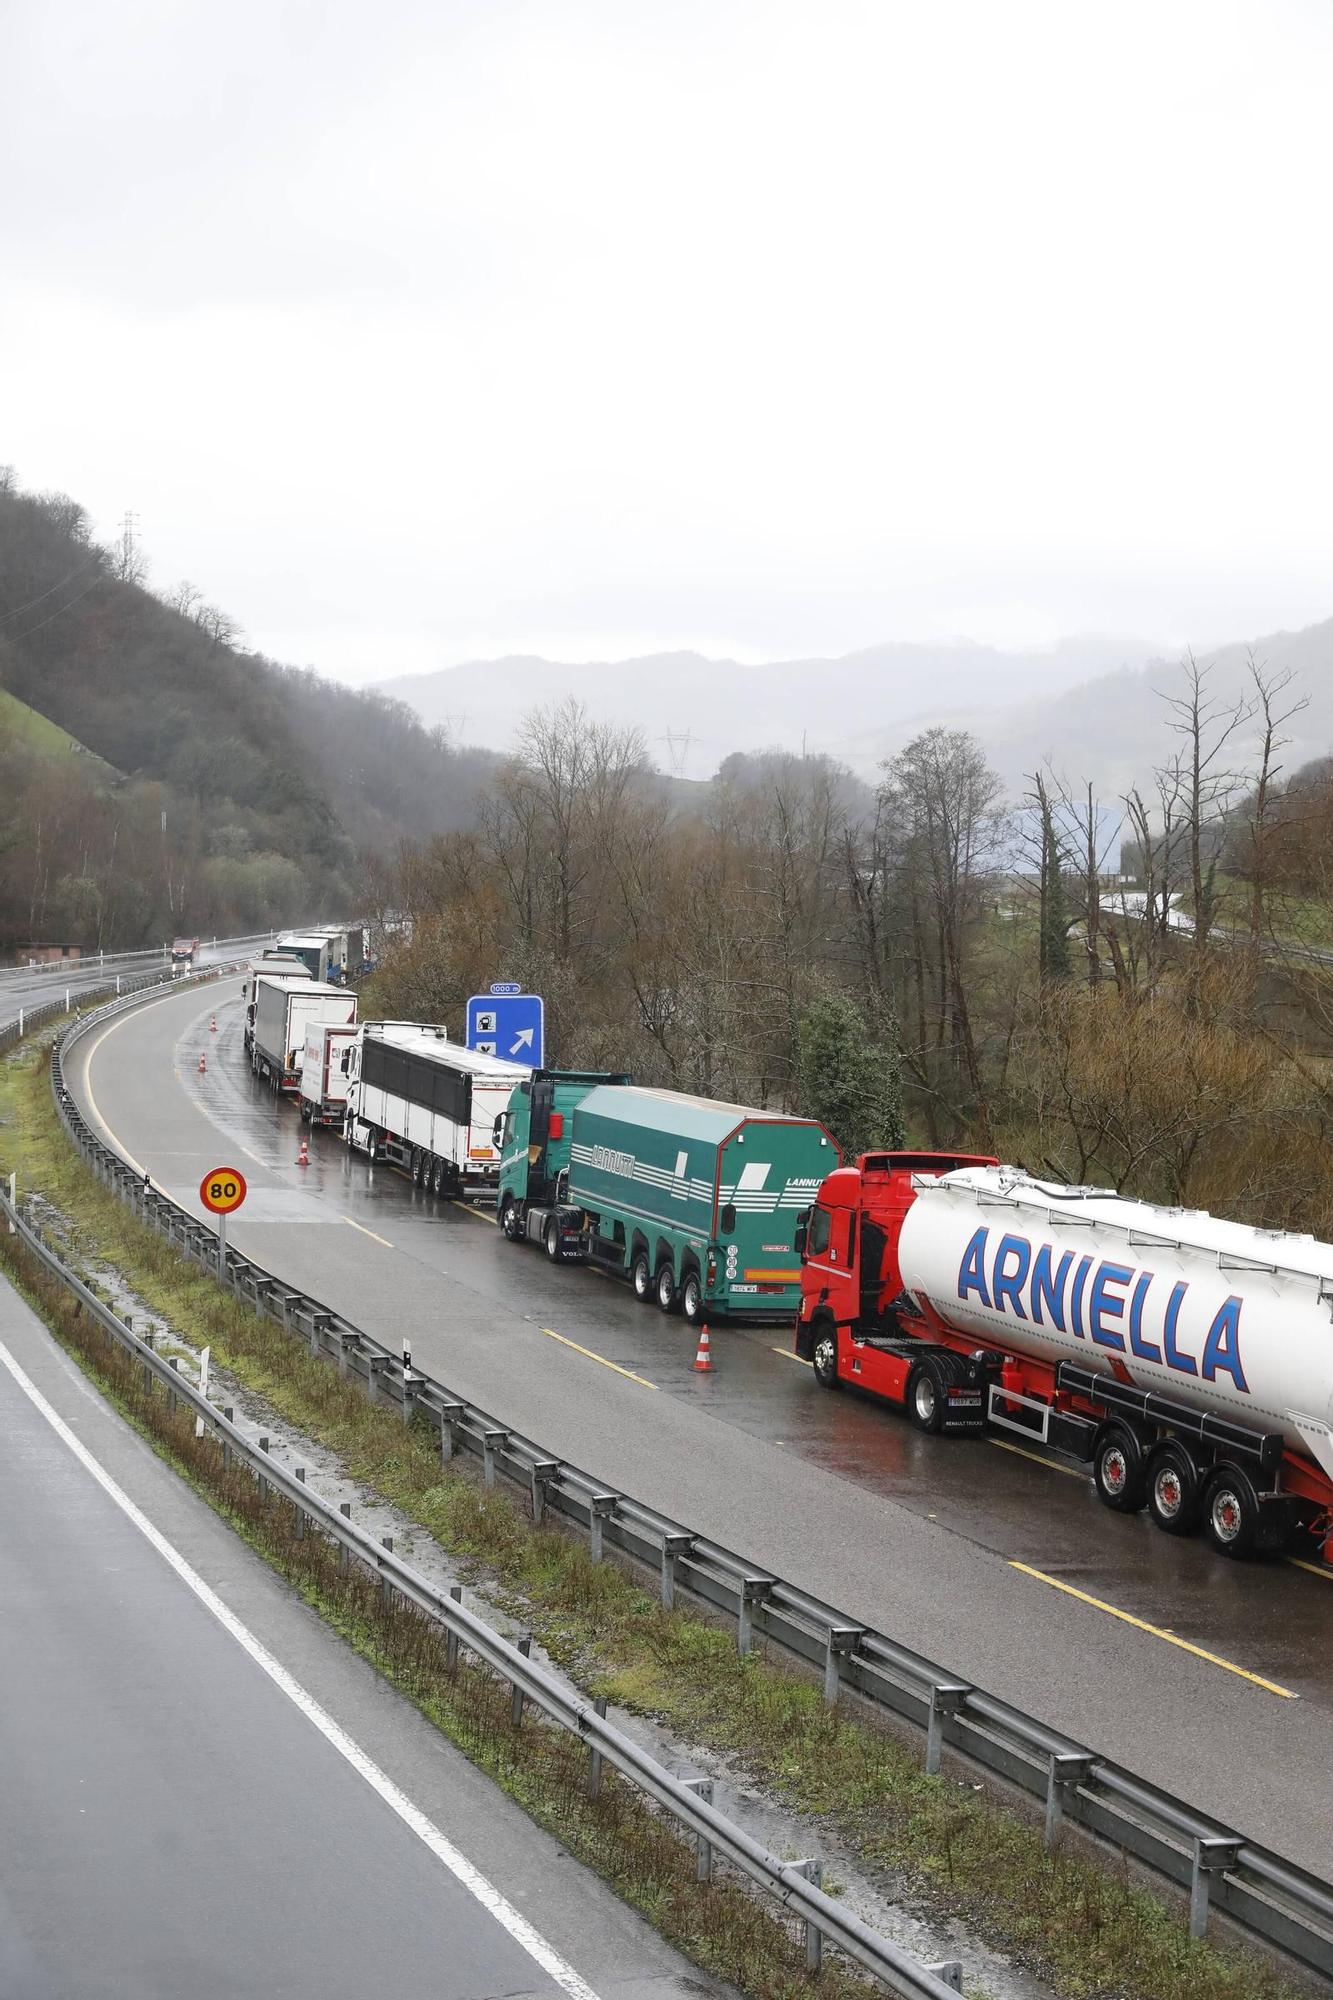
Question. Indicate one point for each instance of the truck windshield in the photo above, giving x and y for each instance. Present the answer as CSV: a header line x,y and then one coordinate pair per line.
x,y
817,1241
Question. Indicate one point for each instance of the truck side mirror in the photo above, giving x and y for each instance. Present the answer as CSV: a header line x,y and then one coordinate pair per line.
x,y
498,1131
802,1230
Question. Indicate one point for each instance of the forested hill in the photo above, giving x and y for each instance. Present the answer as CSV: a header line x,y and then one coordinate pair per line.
x,y
275,782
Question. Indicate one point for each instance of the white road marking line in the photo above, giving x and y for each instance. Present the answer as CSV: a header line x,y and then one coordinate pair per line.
x,y
471,1878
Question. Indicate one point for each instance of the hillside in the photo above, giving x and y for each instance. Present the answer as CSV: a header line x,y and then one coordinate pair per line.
x,y
1095,709
273,783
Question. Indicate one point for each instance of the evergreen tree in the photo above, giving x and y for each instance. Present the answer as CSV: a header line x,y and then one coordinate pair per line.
x,y
850,1079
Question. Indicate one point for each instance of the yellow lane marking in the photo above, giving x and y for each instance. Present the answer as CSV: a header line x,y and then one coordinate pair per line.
x,y
367,1232
1156,1631
1069,1471
628,1373
1321,1570
792,1355
468,1209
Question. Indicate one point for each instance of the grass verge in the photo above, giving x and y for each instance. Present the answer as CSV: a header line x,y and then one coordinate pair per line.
x,y
1077,1922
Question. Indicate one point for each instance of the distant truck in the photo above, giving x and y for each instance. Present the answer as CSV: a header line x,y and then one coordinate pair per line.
x,y
427,1105
696,1202
284,1010
277,965
184,951
325,1065
315,949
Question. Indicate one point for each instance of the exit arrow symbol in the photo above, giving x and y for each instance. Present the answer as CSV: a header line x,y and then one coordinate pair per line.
x,y
523,1041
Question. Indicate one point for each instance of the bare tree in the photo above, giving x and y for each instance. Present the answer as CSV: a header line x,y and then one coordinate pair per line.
x,y
1209,782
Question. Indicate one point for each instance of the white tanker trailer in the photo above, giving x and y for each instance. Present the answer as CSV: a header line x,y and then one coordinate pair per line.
x,y
1188,1360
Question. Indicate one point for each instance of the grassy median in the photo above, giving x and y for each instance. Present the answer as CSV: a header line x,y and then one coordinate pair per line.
x,y
1074,1920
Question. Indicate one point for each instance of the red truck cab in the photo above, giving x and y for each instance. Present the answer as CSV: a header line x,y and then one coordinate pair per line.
x,y
854,1323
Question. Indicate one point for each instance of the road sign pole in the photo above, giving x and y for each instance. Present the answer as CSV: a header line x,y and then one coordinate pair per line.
x,y
222,1249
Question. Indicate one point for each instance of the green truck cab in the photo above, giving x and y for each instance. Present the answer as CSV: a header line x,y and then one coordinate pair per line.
x,y
694,1201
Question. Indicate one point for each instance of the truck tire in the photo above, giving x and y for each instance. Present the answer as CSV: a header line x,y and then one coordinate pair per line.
x,y
511,1227
1231,1512
927,1396
641,1277
1118,1469
1175,1489
692,1298
824,1354
664,1288
551,1240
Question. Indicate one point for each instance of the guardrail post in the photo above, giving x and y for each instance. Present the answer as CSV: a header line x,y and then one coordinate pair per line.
x,y
229,1413
386,1583
703,1847
318,1322
946,1698
300,1510
451,1637
344,1339
673,1548
544,1470
754,1589
524,1646
450,1414
595,1755
173,1363
1065,1772
375,1367
813,1871
344,1553
1213,1855
148,1339
263,1483
13,1202
949,1972
491,1442
601,1506
842,1640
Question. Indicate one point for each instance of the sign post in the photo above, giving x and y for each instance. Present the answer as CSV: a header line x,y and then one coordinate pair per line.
x,y
221,1190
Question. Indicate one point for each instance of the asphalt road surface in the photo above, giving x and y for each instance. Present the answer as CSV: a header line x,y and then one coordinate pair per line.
x,y
26,987
176,1817
1213,1679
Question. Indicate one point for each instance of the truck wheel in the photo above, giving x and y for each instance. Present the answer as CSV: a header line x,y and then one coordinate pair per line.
x,y
824,1358
510,1227
1118,1470
551,1240
1175,1490
926,1397
666,1288
692,1298
641,1277
1231,1512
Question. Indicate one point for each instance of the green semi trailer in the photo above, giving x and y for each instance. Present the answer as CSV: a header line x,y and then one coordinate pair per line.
x,y
695,1202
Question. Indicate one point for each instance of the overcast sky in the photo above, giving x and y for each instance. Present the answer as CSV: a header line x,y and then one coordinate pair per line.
x,y
424,331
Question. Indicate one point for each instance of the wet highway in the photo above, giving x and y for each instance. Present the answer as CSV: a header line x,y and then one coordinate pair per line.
x,y
1212,1678
34,986
204,1792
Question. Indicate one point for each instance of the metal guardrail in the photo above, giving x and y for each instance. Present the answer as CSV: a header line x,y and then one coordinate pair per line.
x,y
1219,1869
795,1884
100,960
31,1018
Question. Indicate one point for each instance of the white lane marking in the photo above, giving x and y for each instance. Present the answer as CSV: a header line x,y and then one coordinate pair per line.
x,y
471,1878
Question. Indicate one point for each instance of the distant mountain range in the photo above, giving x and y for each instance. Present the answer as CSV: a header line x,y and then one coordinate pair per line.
x,y
1093,707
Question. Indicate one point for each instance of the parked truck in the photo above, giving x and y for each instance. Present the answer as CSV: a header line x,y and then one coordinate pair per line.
x,y
284,1009
1186,1360
427,1105
325,1066
314,949
694,1201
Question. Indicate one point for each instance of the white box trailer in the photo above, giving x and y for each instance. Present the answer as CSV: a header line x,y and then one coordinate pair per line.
x,y
427,1104
284,1009
315,949
276,965
326,1062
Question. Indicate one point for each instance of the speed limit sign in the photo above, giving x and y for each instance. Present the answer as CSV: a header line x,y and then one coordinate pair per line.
x,y
222,1190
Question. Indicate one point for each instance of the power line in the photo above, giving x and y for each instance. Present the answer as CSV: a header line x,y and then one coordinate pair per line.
x,y
32,602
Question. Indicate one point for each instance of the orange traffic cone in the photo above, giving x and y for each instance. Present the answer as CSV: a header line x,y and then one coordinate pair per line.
x,y
303,1157
213,1025
703,1360
202,1065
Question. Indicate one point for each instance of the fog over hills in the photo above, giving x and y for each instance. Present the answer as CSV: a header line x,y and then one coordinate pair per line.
x,y
1094,708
